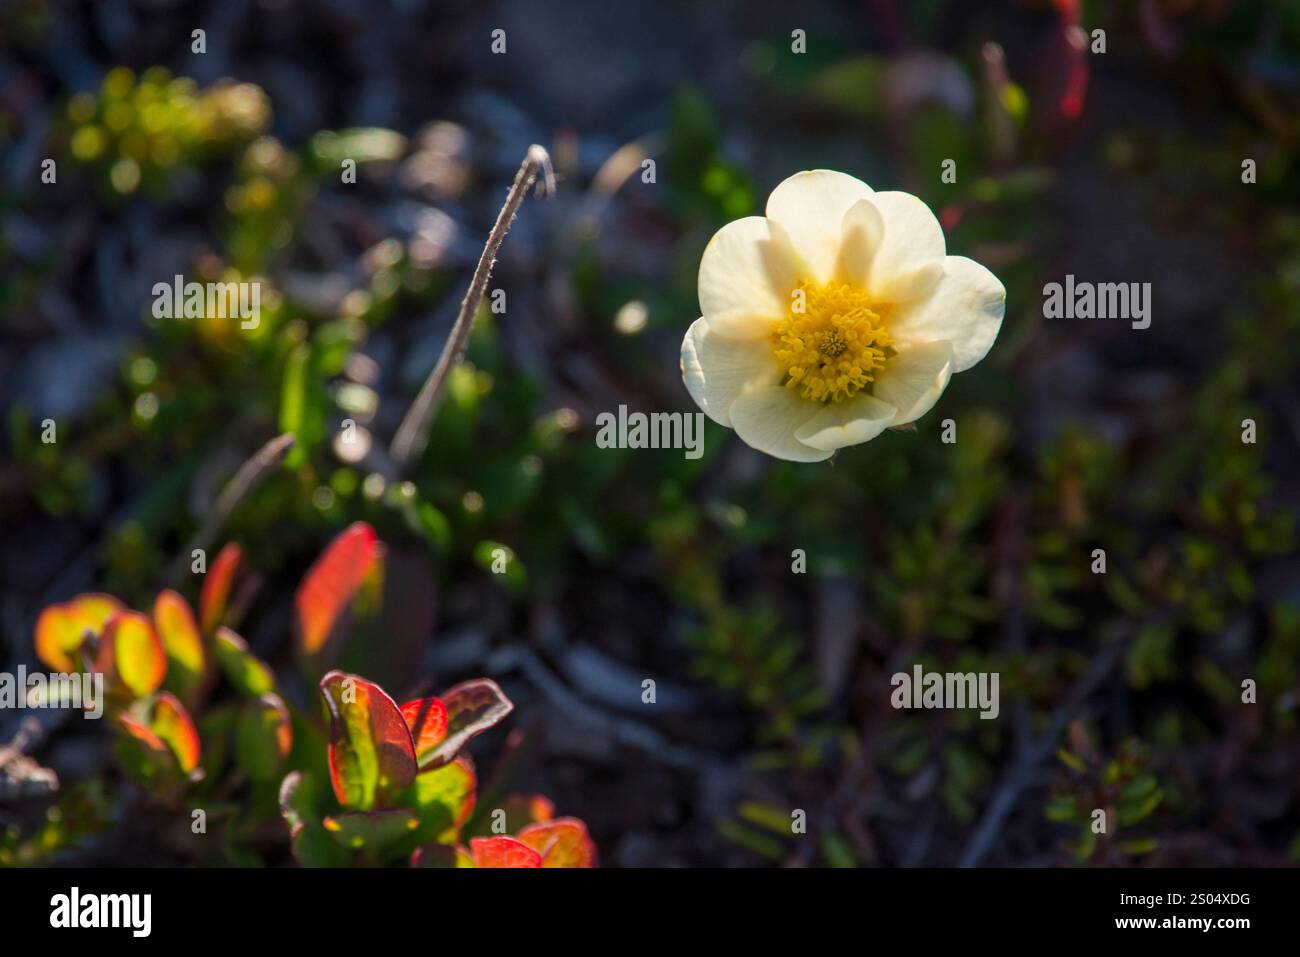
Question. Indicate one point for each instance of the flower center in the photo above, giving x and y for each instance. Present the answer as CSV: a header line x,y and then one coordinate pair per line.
x,y
833,342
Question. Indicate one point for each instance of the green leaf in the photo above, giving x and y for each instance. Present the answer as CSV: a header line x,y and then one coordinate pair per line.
x,y
302,404
243,670
313,846
444,799
263,737
377,832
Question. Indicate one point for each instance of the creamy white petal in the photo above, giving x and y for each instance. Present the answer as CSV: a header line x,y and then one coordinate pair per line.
x,y
966,308
811,206
746,275
716,369
851,422
908,284
912,237
767,418
863,228
913,380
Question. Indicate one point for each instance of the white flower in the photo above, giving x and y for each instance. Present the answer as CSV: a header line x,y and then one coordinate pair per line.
x,y
834,317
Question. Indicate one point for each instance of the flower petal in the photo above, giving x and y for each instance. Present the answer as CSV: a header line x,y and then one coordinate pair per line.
x,y
910,283
965,308
853,421
912,237
767,419
746,275
913,380
811,206
862,230
717,369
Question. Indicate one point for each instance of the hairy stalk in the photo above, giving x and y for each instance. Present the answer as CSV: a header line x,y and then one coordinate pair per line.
x,y
249,476
413,434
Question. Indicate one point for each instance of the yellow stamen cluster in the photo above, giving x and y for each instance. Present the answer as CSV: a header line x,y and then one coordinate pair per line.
x,y
833,342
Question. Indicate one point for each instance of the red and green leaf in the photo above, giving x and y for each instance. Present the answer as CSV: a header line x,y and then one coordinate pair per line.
x,y
144,756
172,724
563,842
472,708
131,655
61,629
179,633
371,754
503,852
325,597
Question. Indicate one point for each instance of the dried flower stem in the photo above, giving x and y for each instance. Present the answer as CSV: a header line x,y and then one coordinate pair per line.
x,y
413,434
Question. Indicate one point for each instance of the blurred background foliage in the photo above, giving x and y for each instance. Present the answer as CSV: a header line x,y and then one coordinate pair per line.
x,y
770,602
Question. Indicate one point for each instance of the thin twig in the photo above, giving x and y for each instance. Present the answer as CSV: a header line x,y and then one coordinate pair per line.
x,y
413,434
1034,753
249,476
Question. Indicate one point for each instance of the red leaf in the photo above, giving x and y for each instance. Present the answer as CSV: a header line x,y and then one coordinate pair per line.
x,y
503,852
371,754
332,583
215,595
141,733
563,842
427,719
